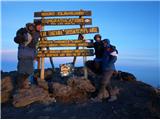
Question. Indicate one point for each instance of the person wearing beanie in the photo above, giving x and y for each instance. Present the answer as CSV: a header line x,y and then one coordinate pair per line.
x,y
99,49
26,50
38,25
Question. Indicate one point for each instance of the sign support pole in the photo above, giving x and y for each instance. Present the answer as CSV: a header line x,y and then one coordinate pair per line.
x,y
42,59
79,37
84,57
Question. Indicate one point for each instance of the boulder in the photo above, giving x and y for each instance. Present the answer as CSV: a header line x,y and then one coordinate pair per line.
x,y
76,90
25,97
61,89
6,84
43,84
5,97
6,89
67,94
81,83
62,92
124,76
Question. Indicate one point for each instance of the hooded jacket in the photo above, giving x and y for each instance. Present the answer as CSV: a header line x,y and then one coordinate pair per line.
x,y
109,57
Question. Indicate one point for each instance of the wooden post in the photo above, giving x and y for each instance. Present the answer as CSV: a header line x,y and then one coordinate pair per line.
x,y
42,59
84,57
85,68
79,37
84,62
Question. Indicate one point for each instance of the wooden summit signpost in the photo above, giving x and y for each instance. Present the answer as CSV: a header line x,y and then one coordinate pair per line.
x,y
65,53
44,44
67,21
62,13
68,32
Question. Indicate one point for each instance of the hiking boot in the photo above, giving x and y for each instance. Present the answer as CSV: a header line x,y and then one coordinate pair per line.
x,y
103,94
96,99
112,98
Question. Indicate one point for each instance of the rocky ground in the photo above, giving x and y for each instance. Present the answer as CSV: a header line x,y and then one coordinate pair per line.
x,y
71,97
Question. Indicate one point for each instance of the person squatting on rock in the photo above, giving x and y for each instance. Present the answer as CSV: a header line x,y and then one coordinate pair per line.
x,y
99,50
26,38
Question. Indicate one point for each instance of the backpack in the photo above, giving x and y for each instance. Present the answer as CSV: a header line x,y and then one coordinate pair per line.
x,y
20,38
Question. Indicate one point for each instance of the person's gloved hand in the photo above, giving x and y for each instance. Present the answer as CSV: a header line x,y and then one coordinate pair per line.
x,y
114,53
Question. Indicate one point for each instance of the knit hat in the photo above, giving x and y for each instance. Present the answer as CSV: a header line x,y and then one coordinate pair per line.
x,y
28,26
97,35
107,41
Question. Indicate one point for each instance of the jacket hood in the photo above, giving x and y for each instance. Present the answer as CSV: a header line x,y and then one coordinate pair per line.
x,y
108,42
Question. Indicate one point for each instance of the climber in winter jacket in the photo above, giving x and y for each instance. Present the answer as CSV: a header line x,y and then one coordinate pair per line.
x,y
109,58
26,38
99,50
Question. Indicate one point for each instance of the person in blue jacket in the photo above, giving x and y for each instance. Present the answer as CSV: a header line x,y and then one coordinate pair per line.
x,y
27,39
108,67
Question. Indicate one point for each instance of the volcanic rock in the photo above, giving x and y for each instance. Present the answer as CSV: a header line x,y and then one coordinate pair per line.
x,y
25,97
6,89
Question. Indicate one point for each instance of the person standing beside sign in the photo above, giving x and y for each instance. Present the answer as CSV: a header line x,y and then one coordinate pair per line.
x,y
26,38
